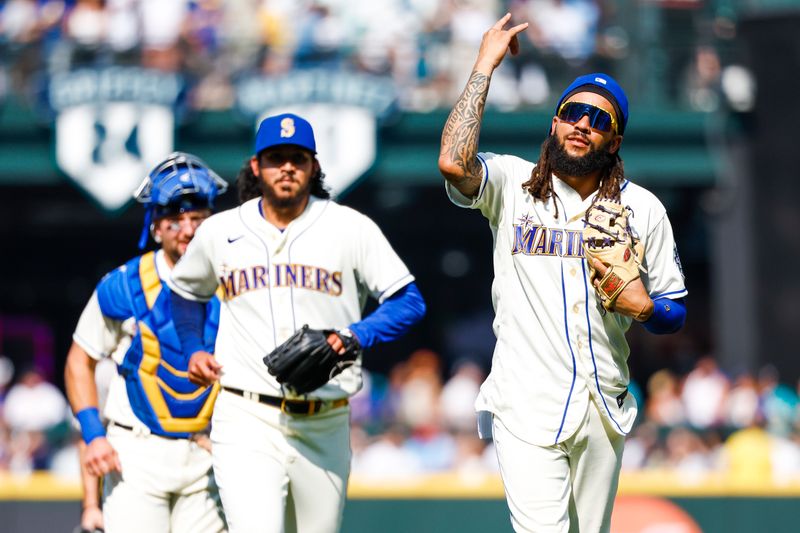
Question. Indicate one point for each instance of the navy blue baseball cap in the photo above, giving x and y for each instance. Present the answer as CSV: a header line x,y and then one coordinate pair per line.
x,y
287,128
605,86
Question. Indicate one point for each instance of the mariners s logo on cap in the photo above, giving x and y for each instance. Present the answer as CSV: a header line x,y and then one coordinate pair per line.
x,y
287,127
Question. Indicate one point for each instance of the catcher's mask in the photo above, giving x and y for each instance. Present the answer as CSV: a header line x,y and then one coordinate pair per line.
x,y
180,183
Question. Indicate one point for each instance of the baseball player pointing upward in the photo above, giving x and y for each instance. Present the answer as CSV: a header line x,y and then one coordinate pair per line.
x,y
286,258
558,385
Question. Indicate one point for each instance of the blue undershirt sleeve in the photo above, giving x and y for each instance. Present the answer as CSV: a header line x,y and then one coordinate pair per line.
x,y
392,319
189,318
668,316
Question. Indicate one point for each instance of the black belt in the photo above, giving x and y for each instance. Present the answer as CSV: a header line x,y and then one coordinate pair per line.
x,y
134,430
290,407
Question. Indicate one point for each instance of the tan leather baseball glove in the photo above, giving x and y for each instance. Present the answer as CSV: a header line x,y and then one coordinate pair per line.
x,y
607,237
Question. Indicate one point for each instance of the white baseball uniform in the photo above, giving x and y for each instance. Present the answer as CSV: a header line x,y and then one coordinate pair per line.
x,y
317,271
166,484
559,356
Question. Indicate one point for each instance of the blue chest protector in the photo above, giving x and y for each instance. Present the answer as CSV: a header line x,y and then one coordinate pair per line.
x,y
154,367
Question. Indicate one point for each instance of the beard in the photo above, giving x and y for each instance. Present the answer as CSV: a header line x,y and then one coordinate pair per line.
x,y
174,249
283,202
597,158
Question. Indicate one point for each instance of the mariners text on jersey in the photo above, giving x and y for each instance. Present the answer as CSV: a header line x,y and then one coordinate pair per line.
x,y
535,239
238,281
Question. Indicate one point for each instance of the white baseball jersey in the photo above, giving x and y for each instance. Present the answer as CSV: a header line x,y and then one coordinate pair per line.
x,y
317,271
555,344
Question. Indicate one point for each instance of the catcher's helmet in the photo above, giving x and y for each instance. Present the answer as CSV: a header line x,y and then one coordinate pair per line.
x,y
180,183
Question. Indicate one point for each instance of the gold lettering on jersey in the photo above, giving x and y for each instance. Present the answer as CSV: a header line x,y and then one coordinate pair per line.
x,y
238,281
290,275
535,239
287,127
541,242
305,276
336,279
259,277
574,243
277,279
227,284
556,239
524,237
322,280
244,283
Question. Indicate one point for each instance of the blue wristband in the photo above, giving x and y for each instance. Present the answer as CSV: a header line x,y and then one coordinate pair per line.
x,y
91,426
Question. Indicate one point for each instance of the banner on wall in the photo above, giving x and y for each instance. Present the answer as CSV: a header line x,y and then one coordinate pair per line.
x,y
111,126
344,108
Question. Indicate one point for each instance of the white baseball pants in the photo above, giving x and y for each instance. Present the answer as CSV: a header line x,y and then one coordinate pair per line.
x,y
565,488
165,485
280,473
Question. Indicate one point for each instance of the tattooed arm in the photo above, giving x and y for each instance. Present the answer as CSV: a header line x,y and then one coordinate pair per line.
x,y
458,161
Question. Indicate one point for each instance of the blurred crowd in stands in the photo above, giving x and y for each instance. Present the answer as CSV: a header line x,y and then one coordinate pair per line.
x,y
671,51
418,420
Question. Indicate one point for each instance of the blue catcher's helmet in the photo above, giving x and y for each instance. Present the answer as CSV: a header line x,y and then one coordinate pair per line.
x,y
180,183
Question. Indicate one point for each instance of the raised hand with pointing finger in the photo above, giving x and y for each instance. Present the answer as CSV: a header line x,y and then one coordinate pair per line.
x,y
496,42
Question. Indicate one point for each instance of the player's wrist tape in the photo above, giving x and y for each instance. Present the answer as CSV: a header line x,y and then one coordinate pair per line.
x,y
668,316
91,426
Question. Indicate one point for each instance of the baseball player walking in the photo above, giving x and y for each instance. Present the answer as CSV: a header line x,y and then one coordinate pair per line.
x,y
287,258
158,477
558,385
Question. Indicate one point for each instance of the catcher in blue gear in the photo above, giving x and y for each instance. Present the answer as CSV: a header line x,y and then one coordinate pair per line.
x,y
157,475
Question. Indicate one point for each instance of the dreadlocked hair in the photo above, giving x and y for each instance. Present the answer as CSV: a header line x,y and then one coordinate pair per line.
x,y
610,181
540,184
248,184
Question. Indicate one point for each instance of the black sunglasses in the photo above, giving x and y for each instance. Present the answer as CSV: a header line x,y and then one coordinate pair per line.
x,y
599,119
279,157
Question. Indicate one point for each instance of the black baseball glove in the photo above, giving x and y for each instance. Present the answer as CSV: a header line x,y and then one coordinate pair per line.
x,y
306,361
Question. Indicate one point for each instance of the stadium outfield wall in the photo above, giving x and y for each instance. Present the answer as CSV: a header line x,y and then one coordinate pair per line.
x,y
467,503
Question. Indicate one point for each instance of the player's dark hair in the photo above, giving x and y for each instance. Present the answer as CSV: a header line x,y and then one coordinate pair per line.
x,y
540,184
318,188
249,185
